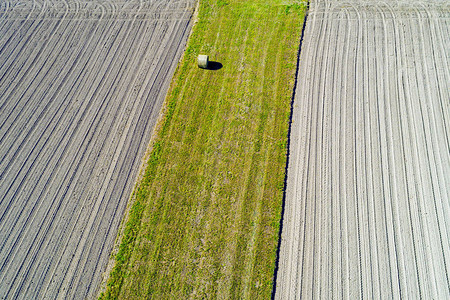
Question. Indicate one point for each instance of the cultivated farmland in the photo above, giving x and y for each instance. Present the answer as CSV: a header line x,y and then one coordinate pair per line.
x,y
367,211
81,87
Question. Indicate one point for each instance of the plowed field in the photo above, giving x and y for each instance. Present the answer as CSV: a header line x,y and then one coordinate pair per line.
x,y
367,211
81,87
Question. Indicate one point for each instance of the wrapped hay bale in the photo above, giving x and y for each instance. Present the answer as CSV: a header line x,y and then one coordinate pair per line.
x,y
203,61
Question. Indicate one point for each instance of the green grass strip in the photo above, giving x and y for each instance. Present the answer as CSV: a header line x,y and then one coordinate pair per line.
x,y
205,218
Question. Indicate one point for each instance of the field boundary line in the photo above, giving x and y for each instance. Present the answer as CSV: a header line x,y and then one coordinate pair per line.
x,y
288,143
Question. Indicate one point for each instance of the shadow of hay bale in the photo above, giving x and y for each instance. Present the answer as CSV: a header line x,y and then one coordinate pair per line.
x,y
214,65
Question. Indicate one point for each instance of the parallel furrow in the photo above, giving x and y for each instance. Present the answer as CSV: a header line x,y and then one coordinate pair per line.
x,y
367,203
78,102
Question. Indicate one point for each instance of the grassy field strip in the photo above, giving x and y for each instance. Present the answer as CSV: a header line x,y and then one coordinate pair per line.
x,y
205,217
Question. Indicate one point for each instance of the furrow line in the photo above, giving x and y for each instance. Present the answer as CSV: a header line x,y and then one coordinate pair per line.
x,y
75,191
366,214
21,134
18,190
28,134
44,189
43,133
17,84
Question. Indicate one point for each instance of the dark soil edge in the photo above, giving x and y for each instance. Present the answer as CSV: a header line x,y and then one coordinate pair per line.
x,y
280,231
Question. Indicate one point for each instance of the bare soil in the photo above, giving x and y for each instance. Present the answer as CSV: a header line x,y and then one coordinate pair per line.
x,y
367,210
81,87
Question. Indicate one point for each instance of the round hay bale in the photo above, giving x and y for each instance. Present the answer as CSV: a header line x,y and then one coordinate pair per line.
x,y
203,61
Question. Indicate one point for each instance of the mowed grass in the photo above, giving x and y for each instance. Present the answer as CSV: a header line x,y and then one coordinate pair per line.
x,y
205,217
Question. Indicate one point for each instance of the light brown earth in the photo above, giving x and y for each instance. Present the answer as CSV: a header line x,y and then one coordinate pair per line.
x,y
367,212
81,87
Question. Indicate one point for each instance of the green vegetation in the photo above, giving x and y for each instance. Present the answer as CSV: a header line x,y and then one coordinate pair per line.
x,y
205,218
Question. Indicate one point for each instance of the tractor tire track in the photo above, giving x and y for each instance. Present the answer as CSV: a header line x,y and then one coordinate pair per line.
x,y
80,91
367,211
